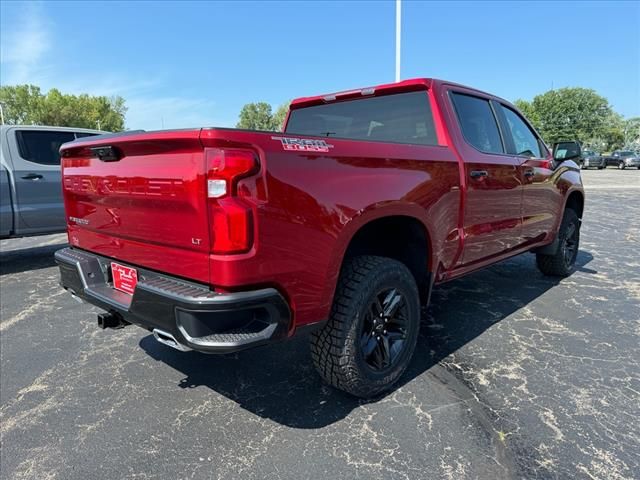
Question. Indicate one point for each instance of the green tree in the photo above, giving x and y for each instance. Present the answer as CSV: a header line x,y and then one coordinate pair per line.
x,y
632,132
256,116
572,114
612,137
280,116
21,104
27,105
259,116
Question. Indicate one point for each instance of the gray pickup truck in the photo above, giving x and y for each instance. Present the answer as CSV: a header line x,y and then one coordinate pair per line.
x,y
30,190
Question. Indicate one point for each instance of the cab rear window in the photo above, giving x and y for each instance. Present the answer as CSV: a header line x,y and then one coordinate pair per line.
x,y
398,118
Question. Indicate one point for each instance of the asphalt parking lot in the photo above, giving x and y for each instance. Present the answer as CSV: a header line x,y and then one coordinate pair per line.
x,y
516,376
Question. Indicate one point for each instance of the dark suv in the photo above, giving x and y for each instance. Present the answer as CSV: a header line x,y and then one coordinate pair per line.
x,y
623,159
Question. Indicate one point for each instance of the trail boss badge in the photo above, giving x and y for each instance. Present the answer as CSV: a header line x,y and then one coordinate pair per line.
x,y
303,144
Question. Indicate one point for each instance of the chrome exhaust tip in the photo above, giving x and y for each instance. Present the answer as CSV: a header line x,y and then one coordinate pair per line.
x,y
77,298
169,340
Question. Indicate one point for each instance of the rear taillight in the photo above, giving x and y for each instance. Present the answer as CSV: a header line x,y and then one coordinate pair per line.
x,y
231,217
225,167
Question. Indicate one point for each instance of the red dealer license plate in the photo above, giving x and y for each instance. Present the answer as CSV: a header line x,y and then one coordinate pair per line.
x,y
124,278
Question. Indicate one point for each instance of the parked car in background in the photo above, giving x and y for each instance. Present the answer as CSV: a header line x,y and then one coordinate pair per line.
x,y
30,188
623,159
630,161
592,159
218,239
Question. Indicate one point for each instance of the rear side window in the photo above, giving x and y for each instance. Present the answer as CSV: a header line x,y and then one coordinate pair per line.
x,y
41,146
479,125
524,139
398,118
85,134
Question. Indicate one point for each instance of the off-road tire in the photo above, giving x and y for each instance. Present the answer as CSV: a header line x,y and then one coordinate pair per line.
x,y
336,349
557,265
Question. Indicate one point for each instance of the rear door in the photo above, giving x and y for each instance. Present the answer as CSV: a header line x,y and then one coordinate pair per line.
x,y
492,218
36,167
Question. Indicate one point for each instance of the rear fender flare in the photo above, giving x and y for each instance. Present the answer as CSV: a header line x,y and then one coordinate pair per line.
x,y
362,218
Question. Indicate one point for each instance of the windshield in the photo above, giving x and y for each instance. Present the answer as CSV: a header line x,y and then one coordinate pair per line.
x,y
588,153
626,153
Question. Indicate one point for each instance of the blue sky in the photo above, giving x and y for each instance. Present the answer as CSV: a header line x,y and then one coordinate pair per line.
x,y
189,64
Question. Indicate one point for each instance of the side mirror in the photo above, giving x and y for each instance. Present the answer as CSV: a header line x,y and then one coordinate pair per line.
x,y
566,151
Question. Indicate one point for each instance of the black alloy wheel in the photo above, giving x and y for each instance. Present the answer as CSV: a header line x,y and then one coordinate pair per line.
x,y
384,330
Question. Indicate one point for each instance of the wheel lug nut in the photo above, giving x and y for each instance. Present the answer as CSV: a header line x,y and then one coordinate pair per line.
x,y
384,332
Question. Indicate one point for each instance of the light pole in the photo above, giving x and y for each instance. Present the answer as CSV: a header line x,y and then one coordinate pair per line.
x,y
1,115
398,36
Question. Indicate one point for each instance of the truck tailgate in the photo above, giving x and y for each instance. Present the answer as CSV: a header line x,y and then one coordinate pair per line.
x,y
140,198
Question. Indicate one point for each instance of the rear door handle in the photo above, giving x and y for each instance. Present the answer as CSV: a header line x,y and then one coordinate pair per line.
x,y
479,173
32,176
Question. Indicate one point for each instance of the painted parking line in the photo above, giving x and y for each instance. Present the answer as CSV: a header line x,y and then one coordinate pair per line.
x,y
612,187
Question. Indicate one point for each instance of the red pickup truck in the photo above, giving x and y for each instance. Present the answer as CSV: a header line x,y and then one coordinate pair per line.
x,y
218,239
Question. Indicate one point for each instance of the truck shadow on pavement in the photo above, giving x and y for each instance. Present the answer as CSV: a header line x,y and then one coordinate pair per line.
x,y
279,382
27,259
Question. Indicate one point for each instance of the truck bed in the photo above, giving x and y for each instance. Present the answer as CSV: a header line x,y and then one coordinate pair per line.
x,y
149,207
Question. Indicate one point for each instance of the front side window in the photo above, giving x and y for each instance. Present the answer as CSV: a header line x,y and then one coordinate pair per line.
x,y
397,118
41,146
478,123
525,141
